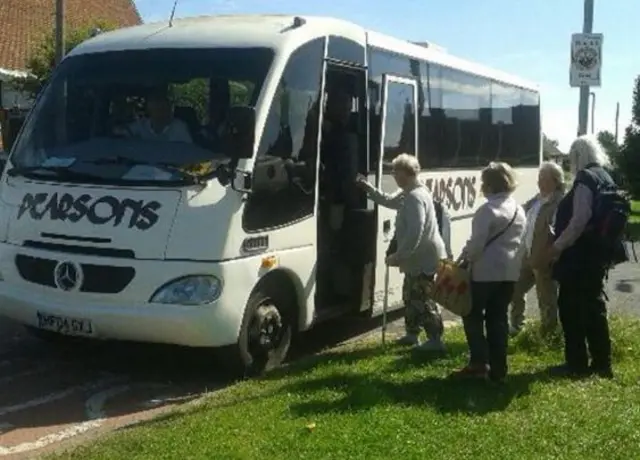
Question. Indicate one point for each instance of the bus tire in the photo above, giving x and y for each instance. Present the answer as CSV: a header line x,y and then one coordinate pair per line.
x,y
265,335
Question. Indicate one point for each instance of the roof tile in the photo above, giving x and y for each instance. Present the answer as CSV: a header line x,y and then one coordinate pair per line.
x,y
24,22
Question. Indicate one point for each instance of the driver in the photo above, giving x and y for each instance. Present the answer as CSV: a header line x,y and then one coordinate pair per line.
x,y
160,123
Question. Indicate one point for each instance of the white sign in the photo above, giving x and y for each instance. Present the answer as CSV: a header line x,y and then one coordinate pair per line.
x,y
586,60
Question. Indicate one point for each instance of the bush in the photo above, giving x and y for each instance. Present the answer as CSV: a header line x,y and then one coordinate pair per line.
x,y
630,153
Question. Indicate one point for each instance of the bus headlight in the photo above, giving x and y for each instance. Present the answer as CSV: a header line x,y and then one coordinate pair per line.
x,y
190,290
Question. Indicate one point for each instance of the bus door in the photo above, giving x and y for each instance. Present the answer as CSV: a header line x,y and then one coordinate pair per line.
x,y
398,134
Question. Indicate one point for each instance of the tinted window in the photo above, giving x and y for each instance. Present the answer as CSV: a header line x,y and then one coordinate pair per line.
x,y
141,101
399,126
381,63
504,101
432,142
345,50
463,98
283,189
529,123
465,120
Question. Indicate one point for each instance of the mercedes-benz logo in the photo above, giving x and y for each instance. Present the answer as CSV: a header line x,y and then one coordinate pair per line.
x,y
68,276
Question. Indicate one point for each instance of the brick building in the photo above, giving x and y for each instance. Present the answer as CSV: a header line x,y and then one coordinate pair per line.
x,y
23,23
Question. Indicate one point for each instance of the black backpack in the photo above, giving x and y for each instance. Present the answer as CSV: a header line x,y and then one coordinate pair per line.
x,y
393,244
610,216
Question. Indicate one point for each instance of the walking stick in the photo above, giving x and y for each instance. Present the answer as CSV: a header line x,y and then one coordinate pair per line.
x,y
385,304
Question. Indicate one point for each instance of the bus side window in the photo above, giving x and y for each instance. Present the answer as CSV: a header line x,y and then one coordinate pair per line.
x,y
284,176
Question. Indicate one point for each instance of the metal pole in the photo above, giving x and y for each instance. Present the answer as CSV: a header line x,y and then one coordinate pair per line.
x,y
583,108
617,119
385,305
593,112
59,31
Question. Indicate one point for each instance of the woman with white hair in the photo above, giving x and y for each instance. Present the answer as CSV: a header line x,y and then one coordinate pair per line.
x,y
538,236
418,251
578,268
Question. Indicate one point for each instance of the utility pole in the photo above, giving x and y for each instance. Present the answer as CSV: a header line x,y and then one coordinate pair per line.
x,y
59,31
583,108
617,120
593,112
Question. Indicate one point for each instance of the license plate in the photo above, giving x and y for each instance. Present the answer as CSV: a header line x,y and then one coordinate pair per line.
x,y
65,325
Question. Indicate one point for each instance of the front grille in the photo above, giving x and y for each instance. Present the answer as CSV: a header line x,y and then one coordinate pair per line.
x,y
102,279
39,271
84,250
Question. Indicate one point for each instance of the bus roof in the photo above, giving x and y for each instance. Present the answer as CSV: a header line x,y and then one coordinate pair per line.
x,y
272,31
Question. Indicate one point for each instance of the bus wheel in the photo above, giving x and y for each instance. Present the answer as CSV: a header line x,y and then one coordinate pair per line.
x,y
266,333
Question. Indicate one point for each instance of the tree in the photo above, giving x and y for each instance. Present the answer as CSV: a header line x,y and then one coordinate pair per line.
x,y
550,148
42,59
608,142
629,162
552,142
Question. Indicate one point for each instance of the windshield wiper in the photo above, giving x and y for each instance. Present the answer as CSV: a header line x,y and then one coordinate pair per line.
x,y
61,172
190,179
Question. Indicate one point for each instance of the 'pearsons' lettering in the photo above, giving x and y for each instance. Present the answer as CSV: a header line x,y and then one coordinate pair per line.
x,y
457,193
100,211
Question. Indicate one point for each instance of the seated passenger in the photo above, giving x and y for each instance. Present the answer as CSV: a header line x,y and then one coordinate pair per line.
x,y
160,124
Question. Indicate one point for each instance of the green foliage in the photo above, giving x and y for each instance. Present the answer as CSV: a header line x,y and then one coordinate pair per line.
x,y
608,142
629,159
195,94
635,109
365,401
550,148
42,60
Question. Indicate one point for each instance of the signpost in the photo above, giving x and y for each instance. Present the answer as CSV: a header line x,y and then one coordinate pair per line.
x,y
586,60
583,61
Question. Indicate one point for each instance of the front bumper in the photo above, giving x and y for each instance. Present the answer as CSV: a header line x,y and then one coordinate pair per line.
x,y
128,315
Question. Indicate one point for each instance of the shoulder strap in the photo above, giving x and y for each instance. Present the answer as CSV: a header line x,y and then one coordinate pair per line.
x,y
439,212
501,232
589,179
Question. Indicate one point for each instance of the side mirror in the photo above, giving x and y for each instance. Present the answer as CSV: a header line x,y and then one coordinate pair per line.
x,y
241,182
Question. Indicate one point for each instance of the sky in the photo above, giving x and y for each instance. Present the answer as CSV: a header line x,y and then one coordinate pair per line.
x,y
529,39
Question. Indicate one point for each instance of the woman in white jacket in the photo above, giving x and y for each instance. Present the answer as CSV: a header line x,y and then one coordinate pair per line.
x,y
493,252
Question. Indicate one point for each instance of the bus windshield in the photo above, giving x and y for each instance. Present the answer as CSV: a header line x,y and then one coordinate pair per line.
x,y
118,116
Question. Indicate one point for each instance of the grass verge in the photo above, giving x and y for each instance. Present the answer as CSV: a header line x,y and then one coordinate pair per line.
x,y
633,227
366,402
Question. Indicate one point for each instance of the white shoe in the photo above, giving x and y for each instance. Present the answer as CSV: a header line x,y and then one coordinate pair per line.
x,y
409,339
432,345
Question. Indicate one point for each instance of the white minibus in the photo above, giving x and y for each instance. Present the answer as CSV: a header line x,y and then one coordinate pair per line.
x,y
192,183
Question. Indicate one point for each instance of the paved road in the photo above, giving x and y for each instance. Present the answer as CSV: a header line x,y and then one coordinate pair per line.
x,y
50,395
61,394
